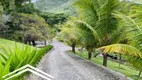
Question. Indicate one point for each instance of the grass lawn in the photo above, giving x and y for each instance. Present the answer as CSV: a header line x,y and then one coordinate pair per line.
x,y
124,69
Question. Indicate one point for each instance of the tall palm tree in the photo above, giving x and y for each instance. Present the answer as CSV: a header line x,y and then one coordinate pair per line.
x,y
107,18
133,20
99,14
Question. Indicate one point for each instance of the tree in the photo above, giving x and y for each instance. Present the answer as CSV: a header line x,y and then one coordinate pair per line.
x,y
67,37
133,54
29,27
133,20
27,8
52,18
80,33
108,19
111,19
12,5
100,16
3,27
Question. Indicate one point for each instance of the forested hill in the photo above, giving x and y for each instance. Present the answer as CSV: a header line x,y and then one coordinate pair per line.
x,y
55,6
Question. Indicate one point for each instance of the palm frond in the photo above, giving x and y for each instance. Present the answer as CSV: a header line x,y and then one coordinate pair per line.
x,y
107,22
88,28
87,10
122,49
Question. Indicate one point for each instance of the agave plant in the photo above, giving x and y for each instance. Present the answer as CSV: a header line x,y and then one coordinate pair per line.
x,y
4,69
12,59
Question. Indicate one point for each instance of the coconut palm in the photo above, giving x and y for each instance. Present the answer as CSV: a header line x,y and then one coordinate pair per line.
x,y
78,32
67,35
134,33
99,14
107,19
113,20
133,54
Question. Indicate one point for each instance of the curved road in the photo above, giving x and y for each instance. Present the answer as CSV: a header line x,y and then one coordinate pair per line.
x,y
64,66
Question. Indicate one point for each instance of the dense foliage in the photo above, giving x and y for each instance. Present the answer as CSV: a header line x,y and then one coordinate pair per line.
x,y
23,22
53,19
12,59
113,25
28,24
12,5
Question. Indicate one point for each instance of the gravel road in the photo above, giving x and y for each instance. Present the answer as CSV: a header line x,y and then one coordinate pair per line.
x,y
64,66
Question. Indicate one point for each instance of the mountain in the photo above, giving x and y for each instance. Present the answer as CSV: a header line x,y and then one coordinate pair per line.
x,y
56,6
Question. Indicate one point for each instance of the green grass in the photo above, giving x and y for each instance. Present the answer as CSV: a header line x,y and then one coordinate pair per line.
x,y
124,69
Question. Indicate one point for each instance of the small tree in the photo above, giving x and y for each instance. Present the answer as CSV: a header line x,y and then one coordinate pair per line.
x,y
133,55
80,33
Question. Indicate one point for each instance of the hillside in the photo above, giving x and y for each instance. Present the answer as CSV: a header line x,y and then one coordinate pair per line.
x,y
56,6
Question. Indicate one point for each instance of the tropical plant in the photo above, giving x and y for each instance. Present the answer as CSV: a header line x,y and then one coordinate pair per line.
x,y
105,17
96,17
132,54
67,37
12,59
80,33
4,69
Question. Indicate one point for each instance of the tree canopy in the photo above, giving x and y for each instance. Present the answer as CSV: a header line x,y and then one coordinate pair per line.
x,y
28,24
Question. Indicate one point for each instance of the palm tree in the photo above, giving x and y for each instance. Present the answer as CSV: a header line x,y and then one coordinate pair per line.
x,y
134,33
111,19
134,54
106,19
67,35
100,16
81,33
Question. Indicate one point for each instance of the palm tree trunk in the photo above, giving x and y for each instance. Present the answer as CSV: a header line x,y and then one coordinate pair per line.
x,y
139,75
120,60
81,51
73,48
105,60
89,55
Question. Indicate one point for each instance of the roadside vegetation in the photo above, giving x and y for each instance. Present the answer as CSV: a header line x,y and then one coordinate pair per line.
x,y
111,26
113,64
